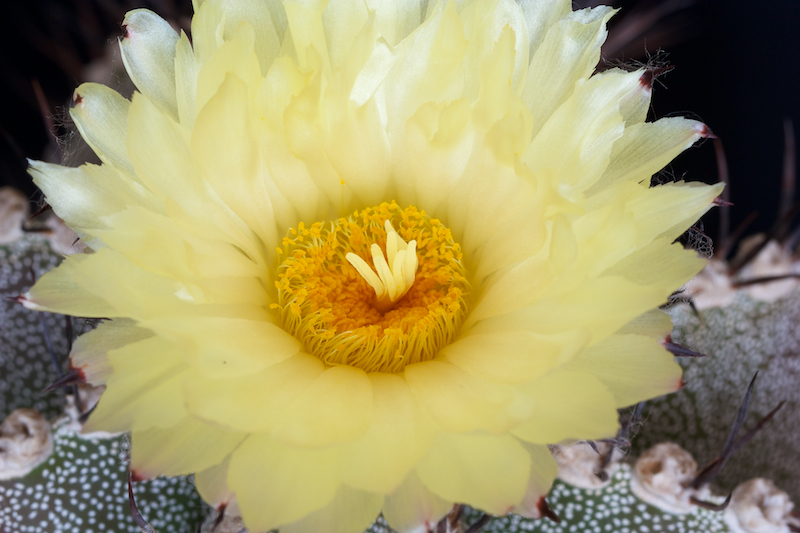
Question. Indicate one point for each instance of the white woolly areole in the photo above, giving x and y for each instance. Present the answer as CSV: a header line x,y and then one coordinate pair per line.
x,y
758,506
662,476
25,442
579,464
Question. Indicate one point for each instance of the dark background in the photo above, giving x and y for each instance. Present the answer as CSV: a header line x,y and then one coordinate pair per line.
x,y
736,68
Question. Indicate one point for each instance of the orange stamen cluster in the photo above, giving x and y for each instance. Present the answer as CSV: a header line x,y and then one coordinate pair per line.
x,y
332,310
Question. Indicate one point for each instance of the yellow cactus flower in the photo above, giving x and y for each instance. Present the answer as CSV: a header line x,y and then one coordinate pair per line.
x,y
370,256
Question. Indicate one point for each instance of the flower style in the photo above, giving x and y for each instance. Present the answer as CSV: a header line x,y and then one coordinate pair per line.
x,y
370,256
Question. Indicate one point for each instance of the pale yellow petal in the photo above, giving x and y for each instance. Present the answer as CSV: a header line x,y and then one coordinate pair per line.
x,y
188,446
160,153
396,18
307,33
490,472
581,152
144,390
160,245
276,484
83,196
235,56
514,356
343,21
186,70
569,52
335,408
90,351
60,291
669,209
350,511
236,167
662,263
222,348
428,67
413,508
540,16
458,401
600,306
543,472
101,116
148,52
252,402
569,405
399,430
646,148
212,484
259,16
633,367
654,323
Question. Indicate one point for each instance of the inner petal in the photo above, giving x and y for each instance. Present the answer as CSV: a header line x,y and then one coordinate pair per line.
x,y
378,290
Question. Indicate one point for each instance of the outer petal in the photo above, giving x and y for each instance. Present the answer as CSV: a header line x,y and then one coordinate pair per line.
x,y
598,305
460,402
414,508
188,446
148,52
212,484
252,402
228,116
514,356
336,407
543,472
633,367
227,347
489,472
101,115
350,510
569,405
90,352
268,476
144,390
399,430
569,52
646,148
83,196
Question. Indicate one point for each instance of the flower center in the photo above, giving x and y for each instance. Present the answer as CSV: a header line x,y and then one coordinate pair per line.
x,y
378,290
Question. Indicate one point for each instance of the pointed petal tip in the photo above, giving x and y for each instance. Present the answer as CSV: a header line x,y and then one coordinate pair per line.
x,y
706,133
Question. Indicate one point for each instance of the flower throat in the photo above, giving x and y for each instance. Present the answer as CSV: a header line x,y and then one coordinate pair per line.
x,y
378,290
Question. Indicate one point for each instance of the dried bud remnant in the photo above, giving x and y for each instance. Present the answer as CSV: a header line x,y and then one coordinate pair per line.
x,y
758,506
662,477
25,442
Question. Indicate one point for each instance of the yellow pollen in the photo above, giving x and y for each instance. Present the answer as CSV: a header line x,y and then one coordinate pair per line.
x,y
346,313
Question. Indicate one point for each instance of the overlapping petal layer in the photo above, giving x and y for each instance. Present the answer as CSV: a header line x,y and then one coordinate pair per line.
x,y
486,114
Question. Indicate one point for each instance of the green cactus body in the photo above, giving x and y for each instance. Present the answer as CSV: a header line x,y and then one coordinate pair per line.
x,y
613,508
24,360
740,338
82,488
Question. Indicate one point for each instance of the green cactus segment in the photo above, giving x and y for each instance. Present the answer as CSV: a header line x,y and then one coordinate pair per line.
x,y
613,508
25,364
83,488
740,339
